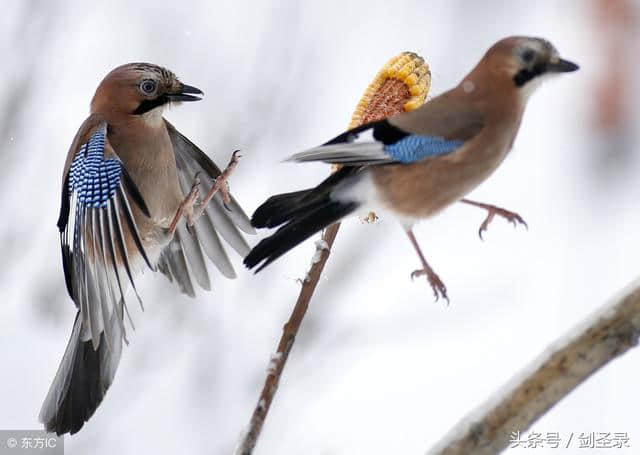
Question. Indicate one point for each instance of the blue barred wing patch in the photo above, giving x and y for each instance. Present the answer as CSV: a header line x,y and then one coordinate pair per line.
x,y
93,178
414,148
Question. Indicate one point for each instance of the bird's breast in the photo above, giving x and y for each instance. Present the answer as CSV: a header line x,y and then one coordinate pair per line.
x,y
424,188
148,157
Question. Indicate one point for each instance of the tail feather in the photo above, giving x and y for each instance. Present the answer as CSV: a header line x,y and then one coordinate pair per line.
x,y
300,228
304,212
279,209
82,380
285,207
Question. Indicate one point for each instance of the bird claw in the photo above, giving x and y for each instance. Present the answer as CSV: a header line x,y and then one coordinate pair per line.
x,y
221,184
439,289
186,207
511,217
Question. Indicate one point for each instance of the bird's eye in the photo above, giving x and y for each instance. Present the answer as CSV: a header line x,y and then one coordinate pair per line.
x,y
148,86
528,55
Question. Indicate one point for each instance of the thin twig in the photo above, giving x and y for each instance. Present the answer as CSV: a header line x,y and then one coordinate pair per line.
x,y
289,332
402,84
606,335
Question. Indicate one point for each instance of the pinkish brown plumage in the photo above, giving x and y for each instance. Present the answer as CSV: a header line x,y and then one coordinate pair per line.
x,y
126,175
415,164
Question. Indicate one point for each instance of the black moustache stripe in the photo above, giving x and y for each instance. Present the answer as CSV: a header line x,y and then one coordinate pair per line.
x,y
147,105
525,75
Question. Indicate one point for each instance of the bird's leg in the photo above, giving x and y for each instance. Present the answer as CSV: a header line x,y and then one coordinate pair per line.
x,y
186,207
492,211
439,289
220,184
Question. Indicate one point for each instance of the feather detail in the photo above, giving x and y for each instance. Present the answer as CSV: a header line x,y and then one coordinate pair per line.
x,y
188,248
383,144
199,161
416,148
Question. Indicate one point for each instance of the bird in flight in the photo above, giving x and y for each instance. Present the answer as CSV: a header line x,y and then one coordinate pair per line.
x,y
129,179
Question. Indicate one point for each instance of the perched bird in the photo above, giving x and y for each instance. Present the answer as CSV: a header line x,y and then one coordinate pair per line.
x,y
415,164
129,179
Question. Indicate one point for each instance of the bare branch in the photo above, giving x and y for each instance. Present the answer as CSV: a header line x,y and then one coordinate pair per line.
x,y
401,85
609,333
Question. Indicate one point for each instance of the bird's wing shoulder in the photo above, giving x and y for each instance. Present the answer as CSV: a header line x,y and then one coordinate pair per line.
x,y
445,116
98,232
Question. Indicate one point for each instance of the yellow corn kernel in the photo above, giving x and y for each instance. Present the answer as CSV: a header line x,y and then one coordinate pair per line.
x,y
414,103
408,68
420,89
411,80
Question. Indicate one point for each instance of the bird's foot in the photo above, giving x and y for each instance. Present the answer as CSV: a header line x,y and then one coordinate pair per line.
x,y
186,207
439,289
492,211
221,184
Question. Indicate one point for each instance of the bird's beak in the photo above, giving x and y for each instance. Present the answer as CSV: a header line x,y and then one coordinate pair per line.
x,y
560,65
184,94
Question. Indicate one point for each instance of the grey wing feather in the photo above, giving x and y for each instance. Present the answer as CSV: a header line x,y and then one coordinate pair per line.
x,y
95,268
350,154
95,221
210,241
193,252
216,220
199,161
173,265
183,259
203,236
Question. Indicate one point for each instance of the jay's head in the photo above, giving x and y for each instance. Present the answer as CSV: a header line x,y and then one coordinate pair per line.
x,y
522,62
140,88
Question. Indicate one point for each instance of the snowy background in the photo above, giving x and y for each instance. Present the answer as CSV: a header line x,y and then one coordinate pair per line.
x,y
378,367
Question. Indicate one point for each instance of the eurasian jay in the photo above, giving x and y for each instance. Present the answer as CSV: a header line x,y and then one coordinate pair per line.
x,y
415,164
128,180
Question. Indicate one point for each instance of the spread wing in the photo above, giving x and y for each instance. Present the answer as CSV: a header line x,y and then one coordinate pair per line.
x,y
101,244
218,223
101,248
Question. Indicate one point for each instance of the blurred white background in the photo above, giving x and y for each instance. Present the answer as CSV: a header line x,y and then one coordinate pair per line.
x,y
378,367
